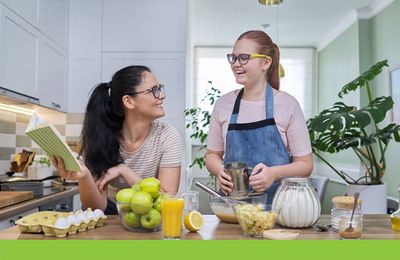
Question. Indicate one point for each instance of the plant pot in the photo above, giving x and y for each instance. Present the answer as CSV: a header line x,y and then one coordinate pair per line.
x,y
39,172
374,198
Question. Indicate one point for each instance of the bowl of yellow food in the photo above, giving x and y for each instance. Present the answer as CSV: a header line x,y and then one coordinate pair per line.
x,y
225,212
254,219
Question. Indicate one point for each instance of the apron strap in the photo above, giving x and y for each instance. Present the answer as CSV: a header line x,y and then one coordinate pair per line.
x,y
269,102
235,112
237,102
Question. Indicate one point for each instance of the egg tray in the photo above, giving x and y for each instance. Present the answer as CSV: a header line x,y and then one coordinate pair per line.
x,y
44,222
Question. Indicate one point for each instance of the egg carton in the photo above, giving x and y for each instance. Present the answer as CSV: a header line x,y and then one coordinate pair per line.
x,y
59,224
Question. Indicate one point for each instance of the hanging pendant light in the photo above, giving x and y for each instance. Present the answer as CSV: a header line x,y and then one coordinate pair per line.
x,y
265,26
270,2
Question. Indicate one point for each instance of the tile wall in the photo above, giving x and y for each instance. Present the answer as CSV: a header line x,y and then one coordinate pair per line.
x,y
13,139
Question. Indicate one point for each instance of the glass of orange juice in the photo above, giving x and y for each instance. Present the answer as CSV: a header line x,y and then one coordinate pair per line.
x,y
171,214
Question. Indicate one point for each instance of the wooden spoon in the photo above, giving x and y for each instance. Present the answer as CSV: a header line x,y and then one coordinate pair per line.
x,y
350,228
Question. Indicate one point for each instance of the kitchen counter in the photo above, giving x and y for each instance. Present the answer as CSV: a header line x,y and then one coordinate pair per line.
x,y
67,192
375,227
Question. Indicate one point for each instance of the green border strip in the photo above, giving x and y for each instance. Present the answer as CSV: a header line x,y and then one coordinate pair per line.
x,y
189,250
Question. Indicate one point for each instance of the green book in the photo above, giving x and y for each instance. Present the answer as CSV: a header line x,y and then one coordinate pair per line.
x,y
47,137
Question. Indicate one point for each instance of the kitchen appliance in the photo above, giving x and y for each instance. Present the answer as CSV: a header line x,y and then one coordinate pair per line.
x,y
63,204
24,184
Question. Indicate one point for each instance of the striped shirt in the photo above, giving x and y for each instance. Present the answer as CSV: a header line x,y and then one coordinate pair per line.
x,y
161,149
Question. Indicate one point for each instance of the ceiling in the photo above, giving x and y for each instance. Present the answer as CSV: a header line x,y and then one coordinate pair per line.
x,y
294,23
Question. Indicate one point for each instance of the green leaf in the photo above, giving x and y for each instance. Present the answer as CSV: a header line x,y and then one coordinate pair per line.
x,y
342,117
365,77
337,118
387,133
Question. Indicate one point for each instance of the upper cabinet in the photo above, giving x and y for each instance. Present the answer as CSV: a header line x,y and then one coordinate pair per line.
x,y
52,76
18,52
25,8
33,49
49,16
144,26
53,20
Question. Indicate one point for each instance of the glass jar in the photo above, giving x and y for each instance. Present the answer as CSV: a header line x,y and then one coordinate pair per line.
x,y
395,217
296,203
351,228
343,207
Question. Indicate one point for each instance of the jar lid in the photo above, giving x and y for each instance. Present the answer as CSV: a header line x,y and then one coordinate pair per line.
x,y
345,202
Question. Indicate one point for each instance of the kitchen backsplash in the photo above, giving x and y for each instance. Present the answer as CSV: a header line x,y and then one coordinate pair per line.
x,y
13,139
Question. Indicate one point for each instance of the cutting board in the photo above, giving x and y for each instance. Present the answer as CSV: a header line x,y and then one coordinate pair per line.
x,y
8,198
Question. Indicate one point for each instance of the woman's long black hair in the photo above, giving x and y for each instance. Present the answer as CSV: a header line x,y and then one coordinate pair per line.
x,y
104,117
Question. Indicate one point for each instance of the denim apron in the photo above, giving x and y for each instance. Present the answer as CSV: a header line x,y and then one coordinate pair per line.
x,y
256,142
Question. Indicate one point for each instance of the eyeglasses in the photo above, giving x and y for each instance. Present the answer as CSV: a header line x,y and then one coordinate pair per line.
x,y
156,90
244,58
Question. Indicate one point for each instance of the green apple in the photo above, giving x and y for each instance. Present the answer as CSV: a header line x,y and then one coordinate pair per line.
x,y
141,202
136,187
151,219
124,197
150,185
157,203
132,219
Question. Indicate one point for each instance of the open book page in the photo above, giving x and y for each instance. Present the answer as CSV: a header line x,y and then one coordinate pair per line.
x,y
47,137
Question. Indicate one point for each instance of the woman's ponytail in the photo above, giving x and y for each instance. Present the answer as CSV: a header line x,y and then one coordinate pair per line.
x,y
100,133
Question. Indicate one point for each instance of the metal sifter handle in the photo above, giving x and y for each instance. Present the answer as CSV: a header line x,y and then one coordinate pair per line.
x,y
206,188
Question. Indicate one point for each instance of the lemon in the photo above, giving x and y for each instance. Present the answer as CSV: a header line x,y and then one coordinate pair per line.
x,y
193,221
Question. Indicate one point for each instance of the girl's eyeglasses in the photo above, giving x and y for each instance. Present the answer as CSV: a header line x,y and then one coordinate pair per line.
x,y
244,58
156,90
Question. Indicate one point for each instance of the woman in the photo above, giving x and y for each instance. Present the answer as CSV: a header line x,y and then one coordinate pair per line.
x,y
122,142
258,124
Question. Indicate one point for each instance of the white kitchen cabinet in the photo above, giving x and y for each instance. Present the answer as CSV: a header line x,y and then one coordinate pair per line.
x,y
31,63
25,8
9,222
84,69
110,34
18,52
144,25
84,73
53,20
52,76
48,16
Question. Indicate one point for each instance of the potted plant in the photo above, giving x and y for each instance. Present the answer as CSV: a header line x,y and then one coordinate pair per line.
x,y
343,127
41,168
198,120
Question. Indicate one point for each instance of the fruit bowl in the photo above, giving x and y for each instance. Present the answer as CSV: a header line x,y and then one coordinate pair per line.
x,y
254,219
147,222
225,212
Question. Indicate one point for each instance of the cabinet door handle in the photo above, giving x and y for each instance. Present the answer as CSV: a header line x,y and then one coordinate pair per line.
x,y
55,105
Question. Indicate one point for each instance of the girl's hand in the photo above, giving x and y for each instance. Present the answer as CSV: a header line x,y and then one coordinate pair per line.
x,y
225,182
58,163
261,177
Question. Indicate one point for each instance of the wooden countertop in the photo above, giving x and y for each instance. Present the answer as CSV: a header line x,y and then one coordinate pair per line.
x,y
16,209
375,227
